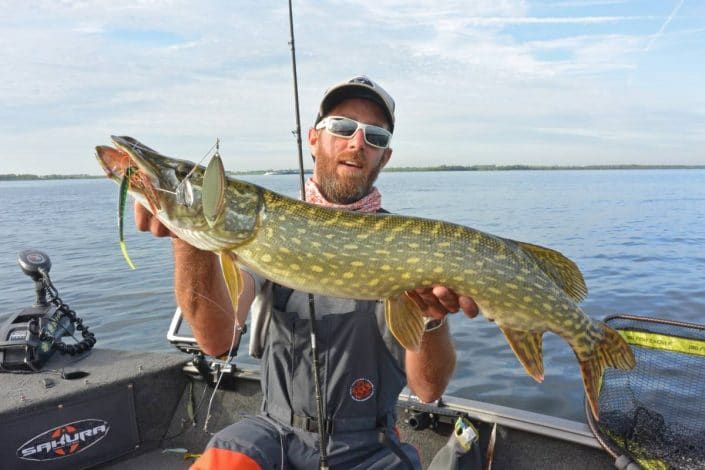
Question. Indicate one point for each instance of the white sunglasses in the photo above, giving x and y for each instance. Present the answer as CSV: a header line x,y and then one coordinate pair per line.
x,y
344,127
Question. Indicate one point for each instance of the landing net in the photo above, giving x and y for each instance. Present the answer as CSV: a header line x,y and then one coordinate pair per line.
x,y
655,413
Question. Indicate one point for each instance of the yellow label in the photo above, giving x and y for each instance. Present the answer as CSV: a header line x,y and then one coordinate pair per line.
x,y
664,342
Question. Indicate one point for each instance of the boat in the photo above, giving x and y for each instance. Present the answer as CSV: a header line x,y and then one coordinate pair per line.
x,y
135,409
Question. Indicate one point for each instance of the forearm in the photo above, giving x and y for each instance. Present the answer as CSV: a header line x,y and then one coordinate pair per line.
x,y
429,370
203,297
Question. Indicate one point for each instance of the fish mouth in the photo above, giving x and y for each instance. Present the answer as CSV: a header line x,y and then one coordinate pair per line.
x,y
139,155
129,152
113,161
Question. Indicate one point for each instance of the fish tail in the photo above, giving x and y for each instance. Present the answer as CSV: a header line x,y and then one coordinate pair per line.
x,y
613,351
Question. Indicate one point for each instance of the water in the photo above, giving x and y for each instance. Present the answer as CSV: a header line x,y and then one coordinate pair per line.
x,y
637,235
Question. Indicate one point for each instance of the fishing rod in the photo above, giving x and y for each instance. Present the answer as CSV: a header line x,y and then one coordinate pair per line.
x,y
297,131
320,411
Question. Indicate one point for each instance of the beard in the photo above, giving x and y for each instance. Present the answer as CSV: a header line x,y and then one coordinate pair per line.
x,y
349,188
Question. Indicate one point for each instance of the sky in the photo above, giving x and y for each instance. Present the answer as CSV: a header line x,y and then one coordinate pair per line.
x,y
504,82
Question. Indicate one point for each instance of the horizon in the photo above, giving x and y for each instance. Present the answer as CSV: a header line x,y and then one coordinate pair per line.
x,y
536,83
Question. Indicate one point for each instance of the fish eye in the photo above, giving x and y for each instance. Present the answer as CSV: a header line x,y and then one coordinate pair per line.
x,y
183,169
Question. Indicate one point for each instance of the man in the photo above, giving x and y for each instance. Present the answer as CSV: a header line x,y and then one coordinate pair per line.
x,y
363,368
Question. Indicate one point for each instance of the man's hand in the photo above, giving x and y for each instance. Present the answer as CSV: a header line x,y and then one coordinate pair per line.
x,y
438,301
146,222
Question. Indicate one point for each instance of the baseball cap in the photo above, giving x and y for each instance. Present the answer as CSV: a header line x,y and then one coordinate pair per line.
x,y
357,87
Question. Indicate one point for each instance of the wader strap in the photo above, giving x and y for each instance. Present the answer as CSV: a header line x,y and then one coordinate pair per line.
x,y
384,438
310,423
280,296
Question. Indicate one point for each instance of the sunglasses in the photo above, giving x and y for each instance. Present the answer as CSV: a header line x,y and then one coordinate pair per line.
x,y
340,126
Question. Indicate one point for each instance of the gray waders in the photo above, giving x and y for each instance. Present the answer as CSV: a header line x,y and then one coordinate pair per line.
x,y
360,382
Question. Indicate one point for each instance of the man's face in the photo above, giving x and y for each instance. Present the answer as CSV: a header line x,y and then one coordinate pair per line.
x,y
346,169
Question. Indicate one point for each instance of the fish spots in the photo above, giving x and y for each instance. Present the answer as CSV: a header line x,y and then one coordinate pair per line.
x,y
266,258
494,290
348,275
413,245
547,306
405,275
350,246
373,282
413,260
357,264
316,268
385,267
511,286
438,270
295,240
284,250
294,267
444,245
382,252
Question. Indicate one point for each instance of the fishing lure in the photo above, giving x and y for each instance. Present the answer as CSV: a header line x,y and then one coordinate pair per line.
x,y
124,187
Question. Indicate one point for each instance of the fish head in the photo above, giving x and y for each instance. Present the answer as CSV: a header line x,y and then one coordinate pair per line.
x,y
172,189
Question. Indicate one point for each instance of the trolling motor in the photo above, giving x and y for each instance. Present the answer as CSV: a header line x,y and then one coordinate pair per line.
x,y
29,338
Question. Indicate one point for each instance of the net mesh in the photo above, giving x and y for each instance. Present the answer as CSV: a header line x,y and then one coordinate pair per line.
x,y
655,413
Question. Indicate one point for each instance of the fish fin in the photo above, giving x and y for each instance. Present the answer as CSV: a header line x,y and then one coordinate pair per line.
x,y
404,320
527,348
613,351
564,272
213,190
232,276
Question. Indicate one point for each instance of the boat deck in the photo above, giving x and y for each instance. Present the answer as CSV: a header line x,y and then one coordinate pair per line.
x,y
147,400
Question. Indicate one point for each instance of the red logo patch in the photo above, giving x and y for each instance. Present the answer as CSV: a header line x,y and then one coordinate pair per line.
x,y
362,389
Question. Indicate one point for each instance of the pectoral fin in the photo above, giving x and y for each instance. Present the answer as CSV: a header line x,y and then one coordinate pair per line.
x,y
232,276
404,320
527,347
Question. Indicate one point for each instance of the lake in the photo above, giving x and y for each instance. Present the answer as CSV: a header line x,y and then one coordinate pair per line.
x,y
637,235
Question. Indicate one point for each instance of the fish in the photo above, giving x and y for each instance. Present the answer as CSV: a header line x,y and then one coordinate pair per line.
x,y
526,289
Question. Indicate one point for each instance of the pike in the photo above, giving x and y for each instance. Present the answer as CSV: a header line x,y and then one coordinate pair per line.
x,y
524,288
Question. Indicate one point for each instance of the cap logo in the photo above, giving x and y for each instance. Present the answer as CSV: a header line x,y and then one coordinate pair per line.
x,y
362,389
362,81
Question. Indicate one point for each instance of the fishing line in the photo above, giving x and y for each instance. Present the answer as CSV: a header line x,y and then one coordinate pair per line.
x,y
181,189
237,329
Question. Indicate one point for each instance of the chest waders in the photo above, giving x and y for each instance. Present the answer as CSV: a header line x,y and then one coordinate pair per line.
x,y
361,379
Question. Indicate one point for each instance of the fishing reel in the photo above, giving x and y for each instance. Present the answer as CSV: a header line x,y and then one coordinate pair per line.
x,y
29,338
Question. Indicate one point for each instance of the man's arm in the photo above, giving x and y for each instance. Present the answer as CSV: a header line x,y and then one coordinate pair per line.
x,y
429,370
200,289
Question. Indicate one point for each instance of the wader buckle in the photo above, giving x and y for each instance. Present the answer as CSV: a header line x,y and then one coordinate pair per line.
x,y
310,424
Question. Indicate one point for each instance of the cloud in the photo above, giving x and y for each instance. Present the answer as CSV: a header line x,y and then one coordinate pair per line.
x,y
482,76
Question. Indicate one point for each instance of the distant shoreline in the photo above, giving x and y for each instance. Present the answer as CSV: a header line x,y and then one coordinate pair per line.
x,y
30,177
